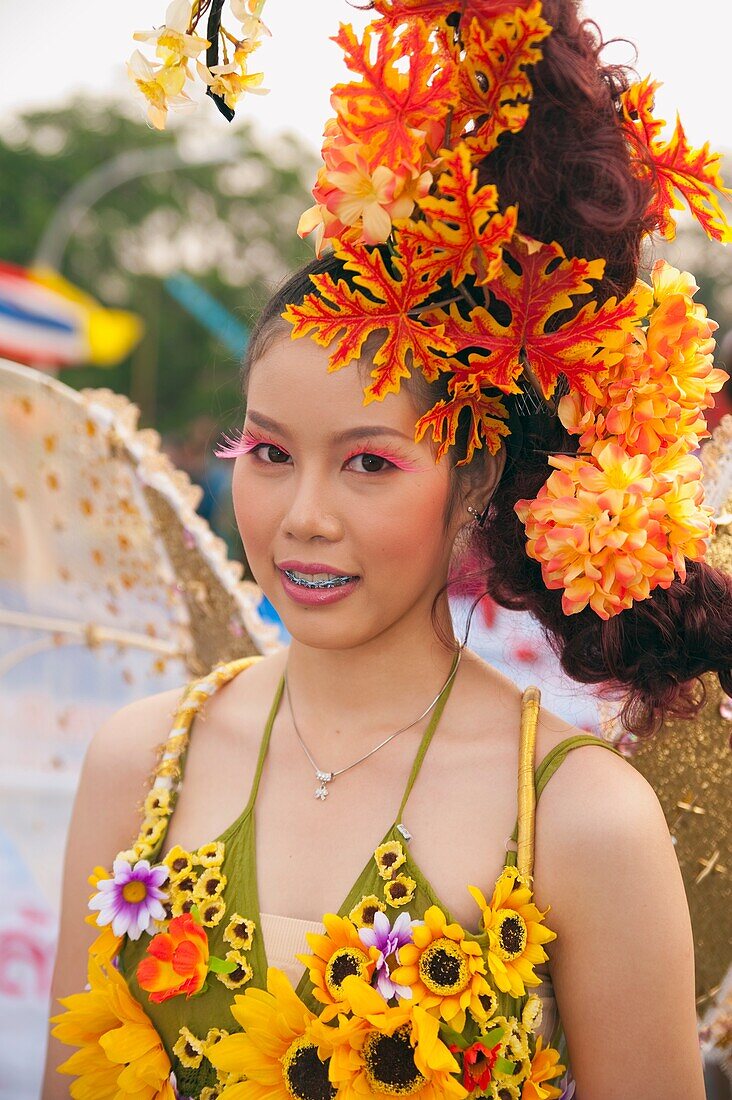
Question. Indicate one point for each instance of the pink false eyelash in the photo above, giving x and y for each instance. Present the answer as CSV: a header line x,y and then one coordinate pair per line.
x,y
238,444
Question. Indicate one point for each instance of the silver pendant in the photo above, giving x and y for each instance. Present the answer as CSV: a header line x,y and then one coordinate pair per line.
x,y
321,792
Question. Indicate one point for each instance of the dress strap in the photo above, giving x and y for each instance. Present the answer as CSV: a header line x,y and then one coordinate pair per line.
x,y
427,737
168,775
264,745
524,830
530,706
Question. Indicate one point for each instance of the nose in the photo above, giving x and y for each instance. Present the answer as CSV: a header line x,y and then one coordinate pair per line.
x,y
311,511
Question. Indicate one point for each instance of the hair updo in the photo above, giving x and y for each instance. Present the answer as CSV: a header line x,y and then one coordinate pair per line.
x,y
569,172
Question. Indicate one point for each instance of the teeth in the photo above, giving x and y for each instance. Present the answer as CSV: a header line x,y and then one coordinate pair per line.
x,y
317,580
315,576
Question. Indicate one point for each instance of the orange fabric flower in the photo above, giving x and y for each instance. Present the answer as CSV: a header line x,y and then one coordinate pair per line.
x,y
544,1065
176,961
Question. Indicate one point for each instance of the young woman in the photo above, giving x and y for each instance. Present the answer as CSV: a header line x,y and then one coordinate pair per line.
x,y
411,743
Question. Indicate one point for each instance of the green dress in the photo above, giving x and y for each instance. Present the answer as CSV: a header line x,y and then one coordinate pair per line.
x,y
225,889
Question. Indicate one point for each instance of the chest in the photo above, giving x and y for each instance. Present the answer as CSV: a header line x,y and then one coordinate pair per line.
x,y
307,853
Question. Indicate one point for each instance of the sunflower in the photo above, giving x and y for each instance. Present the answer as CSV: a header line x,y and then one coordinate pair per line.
x,y
210,884
515,933
100,1021
362,915
400,890
388,857
393,1051
179,861
238,977
336,955
444,968
189,1050
212,912
544,1065
211,855
239,932
277,1050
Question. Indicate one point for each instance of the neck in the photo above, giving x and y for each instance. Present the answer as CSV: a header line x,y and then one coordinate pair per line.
x,y
346,697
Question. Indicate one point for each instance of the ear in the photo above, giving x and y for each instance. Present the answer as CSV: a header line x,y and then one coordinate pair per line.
x,y
482,476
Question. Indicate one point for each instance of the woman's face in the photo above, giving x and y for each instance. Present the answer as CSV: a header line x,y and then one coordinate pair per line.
x,y
327,481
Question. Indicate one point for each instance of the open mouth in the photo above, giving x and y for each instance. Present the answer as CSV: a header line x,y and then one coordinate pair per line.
x,y
305,582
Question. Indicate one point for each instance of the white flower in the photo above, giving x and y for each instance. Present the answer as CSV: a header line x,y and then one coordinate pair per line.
x,y
174,44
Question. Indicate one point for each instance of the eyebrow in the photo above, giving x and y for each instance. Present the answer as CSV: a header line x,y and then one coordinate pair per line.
x,y
337,437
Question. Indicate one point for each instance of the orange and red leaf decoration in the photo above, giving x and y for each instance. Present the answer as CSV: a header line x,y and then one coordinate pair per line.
x,y
337,313
390,112
394,13
678,169
463,233
547,284
487,414
494,86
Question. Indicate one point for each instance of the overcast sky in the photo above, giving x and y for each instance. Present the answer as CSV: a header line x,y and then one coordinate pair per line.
x,y
52,49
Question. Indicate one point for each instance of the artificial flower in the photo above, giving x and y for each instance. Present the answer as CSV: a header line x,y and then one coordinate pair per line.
x,y
120,1052
176,961
157,802
211,855
516,932
212,911
214,1035
161,86
400,890
532,1013
391,1050
444,968
388,939
239,975
389,857
152,829
210,884
179,861
276,1049
173,42
337,954
478,1063
131,898
239,932
544,1066
188,1049
231,81
362,915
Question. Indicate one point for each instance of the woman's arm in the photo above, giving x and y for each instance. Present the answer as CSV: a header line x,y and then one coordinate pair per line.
x,y
623,961
105,819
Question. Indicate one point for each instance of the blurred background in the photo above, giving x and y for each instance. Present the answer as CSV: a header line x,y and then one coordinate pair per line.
x,y
177,237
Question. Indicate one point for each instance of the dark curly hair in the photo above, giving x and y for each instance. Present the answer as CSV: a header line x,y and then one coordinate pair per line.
x,y
569,170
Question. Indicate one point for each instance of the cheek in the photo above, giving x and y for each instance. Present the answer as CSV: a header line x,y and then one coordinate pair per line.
x,y
409,531
251,507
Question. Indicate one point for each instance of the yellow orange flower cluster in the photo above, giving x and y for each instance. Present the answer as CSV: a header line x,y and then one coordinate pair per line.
x,y
622,516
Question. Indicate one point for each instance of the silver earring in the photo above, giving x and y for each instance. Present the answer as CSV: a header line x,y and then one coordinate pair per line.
x,y
474,512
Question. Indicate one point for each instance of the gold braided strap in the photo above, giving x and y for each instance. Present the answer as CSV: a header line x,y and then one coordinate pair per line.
x,y
530,704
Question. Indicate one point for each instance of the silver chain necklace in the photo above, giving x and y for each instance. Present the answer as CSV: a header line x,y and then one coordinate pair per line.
x,y
324,777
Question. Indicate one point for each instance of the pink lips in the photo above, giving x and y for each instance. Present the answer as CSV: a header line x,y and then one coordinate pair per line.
x,y
311,567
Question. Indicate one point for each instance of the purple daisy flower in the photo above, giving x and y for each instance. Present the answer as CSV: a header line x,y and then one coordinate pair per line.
x,y
131,899
387,939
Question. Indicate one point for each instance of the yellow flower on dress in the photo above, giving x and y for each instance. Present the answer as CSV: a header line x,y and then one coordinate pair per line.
x,y
102,1021
179,862
363,914
388,857
241,975
336,955
152,829
515,933
210,884
239,932
189,1050
400,890
182,896
211,855
157,802
212,911
544,1065
444,968
106,945
214,1035
394,1051
210,1092
532,1013
276,1049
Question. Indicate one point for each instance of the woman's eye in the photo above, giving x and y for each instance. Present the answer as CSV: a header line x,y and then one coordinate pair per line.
x,y
369,460
275,461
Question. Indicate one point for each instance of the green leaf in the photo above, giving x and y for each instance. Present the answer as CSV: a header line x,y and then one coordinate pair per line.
x,y
221,966
504,1066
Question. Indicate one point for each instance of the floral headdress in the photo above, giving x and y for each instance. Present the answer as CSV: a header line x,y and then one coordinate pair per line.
x,y
437,84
